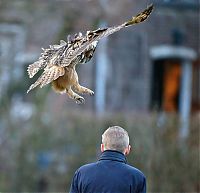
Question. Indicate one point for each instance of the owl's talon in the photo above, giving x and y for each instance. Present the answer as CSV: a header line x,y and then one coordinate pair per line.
x,y
91,93
80,100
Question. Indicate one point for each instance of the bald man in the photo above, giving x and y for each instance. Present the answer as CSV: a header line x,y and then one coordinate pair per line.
x,y
111,173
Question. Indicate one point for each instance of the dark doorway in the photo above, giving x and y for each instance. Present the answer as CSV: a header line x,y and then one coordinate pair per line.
x,y
165,85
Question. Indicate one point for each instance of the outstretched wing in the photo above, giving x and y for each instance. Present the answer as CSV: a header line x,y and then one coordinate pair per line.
x,y
48,76
95,36
47,57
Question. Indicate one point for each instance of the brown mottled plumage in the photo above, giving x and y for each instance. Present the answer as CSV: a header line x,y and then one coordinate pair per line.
x,y
59,61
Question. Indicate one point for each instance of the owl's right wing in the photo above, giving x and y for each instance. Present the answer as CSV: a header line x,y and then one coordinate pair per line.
x,y
95,36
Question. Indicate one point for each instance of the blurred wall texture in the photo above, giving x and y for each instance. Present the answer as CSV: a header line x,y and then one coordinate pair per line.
x,y
146,78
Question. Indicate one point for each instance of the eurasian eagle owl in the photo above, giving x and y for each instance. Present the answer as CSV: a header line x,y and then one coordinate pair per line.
x,y
59,61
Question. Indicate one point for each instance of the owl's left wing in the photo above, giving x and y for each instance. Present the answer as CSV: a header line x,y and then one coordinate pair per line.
x,y
49,74
46,58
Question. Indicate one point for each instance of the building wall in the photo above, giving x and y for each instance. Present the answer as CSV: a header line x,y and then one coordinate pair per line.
x,y
130,81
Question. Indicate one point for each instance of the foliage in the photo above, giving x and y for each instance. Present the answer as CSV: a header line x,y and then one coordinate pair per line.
x,y
54,148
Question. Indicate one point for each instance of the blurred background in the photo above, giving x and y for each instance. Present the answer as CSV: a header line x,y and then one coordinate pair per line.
x,y
146,79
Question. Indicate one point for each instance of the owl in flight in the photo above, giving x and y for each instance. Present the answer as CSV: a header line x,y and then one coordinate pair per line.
x,y
59,61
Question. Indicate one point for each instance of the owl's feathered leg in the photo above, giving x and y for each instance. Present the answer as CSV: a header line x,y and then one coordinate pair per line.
x,y
78,88
76,97
83,90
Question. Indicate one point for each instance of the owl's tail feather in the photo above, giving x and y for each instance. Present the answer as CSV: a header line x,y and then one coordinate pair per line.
x,y
140,17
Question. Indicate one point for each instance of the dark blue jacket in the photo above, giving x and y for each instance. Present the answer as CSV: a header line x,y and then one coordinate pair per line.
x,y
110,174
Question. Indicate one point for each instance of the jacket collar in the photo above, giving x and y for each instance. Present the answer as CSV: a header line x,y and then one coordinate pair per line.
x,y
113,155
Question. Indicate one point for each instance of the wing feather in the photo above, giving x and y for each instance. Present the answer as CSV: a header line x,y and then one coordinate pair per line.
x,y
48,76
46,58
34,68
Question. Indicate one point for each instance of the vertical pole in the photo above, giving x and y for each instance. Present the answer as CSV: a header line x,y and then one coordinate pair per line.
x,y
101,69
185,98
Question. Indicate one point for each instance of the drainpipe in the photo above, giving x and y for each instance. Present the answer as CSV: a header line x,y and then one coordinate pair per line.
x,y
185,98
101,69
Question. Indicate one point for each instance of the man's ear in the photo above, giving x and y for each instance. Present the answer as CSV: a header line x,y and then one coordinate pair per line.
x,y
127,150
102,147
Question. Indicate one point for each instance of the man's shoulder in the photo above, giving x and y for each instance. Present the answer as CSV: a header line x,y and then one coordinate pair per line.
x,y
88,166
135,170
